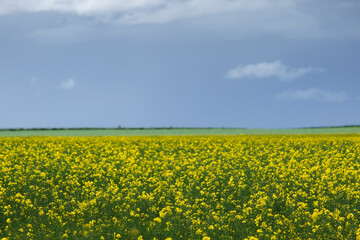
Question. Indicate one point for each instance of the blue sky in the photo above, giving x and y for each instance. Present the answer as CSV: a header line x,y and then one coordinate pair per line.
x,y
180,63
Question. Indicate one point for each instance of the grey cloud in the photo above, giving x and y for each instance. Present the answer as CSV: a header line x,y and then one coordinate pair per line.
x,y
289,18
314,94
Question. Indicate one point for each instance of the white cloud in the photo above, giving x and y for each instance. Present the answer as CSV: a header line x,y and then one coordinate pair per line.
x,y
269,69
314,94
67,84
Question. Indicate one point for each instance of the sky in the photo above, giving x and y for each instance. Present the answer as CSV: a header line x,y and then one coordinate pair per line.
x,y
179,63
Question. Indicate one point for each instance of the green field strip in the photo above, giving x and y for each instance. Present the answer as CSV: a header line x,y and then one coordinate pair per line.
x,y
175,131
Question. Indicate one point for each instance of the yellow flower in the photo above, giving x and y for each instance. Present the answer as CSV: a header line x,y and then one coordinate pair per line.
x,y
193,184
157,219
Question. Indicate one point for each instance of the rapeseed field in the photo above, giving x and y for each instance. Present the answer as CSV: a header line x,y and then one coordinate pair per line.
x,y
184,187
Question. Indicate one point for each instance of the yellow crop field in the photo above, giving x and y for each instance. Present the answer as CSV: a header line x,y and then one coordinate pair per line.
x,y
184,187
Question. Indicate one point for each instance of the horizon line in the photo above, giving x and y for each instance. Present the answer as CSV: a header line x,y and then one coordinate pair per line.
x,y
160,128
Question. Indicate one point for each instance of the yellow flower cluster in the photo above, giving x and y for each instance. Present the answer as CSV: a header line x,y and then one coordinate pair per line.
x,y
185,187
